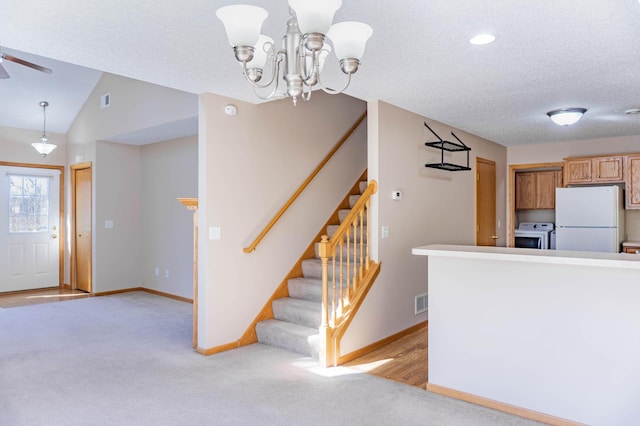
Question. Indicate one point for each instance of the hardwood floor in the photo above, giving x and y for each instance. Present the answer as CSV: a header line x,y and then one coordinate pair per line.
x,y
404,360
34,297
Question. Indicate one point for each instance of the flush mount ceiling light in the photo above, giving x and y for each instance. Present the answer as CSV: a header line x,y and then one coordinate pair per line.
x,y
566,116
304,48
43,147
481,39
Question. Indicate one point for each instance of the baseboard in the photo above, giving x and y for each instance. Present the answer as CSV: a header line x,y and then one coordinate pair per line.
x,y
500,406
147,290
218,349
169,295
380,343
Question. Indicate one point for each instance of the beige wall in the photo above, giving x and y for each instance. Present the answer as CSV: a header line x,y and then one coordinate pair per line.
x,y
118,251
437,207
249,165
552,152
135,106
169,170
15,147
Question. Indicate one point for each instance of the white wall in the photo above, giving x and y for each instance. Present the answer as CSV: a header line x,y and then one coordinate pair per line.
x,y
555,152
549,334
249,165
169,170
437,207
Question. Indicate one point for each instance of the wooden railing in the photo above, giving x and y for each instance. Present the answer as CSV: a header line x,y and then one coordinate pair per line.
x,y
302,187
347,275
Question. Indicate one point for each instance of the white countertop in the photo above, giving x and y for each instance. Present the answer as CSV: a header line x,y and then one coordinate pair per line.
x,y
565,257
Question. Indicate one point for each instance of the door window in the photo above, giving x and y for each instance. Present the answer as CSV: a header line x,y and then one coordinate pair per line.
x,y
28,203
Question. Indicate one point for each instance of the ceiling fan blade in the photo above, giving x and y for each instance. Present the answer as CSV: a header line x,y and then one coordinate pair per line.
x,y
3,72
26,63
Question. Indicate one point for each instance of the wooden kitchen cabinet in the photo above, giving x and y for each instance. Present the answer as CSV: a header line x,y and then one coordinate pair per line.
x,y
537,189
607,169
632,187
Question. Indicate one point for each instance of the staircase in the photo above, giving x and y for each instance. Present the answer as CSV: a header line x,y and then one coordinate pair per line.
x,y
297,318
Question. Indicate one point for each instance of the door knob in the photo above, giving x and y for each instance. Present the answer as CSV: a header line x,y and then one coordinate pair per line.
x,y
495,237
79,235
54,236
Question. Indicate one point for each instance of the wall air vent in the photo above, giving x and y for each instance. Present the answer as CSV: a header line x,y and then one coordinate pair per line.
x,y
422,303
105,100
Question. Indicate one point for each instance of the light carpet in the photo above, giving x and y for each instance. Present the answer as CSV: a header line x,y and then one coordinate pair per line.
x,y
127,360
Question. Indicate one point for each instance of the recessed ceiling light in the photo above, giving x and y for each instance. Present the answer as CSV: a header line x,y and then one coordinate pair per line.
x,y
632,111
481,39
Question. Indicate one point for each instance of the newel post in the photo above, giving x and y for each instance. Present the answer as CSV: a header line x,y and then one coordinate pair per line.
x,y
325,346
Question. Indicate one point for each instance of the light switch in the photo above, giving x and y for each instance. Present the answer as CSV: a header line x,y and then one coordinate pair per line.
x,y
385,232
214,232
108,224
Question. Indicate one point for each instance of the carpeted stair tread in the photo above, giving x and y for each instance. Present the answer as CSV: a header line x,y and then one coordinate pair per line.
x,y
298,311
353,199
306,289
353,248
331,229
312,268
343,213
292,337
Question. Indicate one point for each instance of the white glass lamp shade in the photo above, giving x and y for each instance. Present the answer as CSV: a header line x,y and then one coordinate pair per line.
x,y
349,39
44,148
315,16
261,53
566,116
242,23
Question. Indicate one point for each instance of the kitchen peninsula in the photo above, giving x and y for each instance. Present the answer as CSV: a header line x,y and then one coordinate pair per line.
x,y
550,335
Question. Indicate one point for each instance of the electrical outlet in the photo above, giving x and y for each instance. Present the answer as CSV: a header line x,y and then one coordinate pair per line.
x,y
166,273
385,232
157,271
214,233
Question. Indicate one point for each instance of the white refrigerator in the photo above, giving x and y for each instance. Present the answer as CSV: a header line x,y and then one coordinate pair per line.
x,y
590,218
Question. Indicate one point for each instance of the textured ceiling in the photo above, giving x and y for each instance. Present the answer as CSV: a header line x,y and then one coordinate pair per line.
x,y
548,54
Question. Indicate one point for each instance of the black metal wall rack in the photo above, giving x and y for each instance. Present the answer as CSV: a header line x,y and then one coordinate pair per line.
x,y
449,146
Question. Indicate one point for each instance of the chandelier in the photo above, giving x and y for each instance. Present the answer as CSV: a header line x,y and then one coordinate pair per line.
x,y
304,49
43,147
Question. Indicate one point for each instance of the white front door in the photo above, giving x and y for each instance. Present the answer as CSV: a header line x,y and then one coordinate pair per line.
x,y
29,228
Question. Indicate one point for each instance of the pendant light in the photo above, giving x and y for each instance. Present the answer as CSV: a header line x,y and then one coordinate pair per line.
x,y
44,147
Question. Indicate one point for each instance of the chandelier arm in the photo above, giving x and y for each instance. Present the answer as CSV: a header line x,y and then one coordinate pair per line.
x,y
274,73
270,95
332,91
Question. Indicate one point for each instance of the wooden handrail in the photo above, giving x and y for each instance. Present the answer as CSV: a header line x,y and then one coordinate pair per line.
x,y
302,187
347,275
371,189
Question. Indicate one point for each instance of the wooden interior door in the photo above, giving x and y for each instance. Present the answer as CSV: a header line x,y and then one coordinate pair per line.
x,y
82,228
485,202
